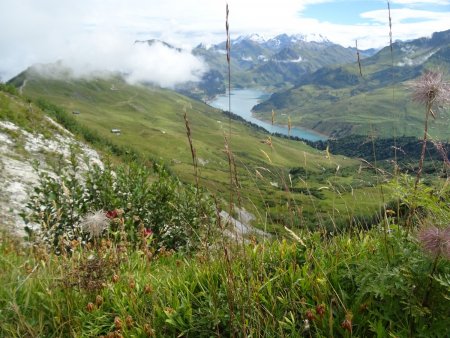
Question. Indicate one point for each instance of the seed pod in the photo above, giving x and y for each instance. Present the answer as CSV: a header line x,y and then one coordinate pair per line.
x,y
129,321
90,307
118,323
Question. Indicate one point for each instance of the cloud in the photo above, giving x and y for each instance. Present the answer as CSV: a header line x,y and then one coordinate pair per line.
x,y
421,2
98,33
87,43
140,62
401,15
163,65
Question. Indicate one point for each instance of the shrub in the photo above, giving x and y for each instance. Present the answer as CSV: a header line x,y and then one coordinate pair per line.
x,y
135,201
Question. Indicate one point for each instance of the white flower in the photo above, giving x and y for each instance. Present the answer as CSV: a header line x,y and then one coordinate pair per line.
x,y
94,223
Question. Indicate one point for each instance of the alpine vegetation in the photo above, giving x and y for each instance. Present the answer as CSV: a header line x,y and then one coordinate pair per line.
x,y
197,222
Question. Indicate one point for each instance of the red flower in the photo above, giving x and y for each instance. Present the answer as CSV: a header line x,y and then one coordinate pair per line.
x,y
111,214
147,232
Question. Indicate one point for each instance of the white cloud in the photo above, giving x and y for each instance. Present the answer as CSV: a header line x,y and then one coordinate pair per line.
x,y
400,15
101,33
421,2
86,43
140,62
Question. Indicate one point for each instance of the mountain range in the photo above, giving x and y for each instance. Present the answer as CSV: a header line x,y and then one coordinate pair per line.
x,y
372,96
275,63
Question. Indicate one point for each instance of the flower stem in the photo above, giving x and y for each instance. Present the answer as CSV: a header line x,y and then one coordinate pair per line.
x,y
430,283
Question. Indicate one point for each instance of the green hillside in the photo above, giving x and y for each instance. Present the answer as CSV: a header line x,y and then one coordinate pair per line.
x,y
276,63
135,268
291,180
339,101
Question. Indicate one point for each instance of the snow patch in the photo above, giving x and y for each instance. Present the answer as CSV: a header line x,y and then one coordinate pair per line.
x,y
221,51
252,37
262,58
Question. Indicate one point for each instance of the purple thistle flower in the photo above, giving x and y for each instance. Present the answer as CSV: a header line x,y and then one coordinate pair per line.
x,y
431,89
435,241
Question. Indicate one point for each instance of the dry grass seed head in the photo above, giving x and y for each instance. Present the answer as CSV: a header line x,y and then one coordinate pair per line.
x,y
435,241
94,223
431,89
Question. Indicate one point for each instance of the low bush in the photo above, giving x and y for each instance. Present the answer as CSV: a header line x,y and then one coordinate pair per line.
x,y
120,203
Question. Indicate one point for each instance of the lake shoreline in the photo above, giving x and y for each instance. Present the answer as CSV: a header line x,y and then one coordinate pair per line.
x,y
325,136
242,103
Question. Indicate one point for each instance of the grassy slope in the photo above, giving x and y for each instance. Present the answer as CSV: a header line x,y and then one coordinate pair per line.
x,y
151,121
346,103
271,291
337,112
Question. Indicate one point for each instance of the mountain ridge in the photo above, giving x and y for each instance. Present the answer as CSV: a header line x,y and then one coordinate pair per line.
x,y
338,101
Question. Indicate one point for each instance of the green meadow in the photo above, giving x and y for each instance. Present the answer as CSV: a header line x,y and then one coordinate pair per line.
x,y
151,122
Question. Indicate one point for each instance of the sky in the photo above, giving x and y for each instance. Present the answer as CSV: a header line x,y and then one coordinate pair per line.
x,y
99,35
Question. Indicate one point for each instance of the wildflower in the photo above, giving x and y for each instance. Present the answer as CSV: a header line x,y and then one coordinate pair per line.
x,y
132,283
320,310
306,324
98,300
129,321
148,289
430,89
347,323
148,232
111,214
148,330
435,241
117,323
310,315
94,223
90,307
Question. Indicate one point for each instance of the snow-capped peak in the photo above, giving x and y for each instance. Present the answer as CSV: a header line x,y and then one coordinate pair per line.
x,y
313,37
252,37
203,45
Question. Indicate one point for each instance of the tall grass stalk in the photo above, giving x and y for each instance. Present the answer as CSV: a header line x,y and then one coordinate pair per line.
x,y
228,50
358,58
191,146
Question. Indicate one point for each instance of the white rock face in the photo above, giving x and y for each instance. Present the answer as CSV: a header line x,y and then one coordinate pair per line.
x,y
19,149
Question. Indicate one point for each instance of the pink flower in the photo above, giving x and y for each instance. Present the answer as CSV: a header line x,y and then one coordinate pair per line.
x,y
111,214
148,232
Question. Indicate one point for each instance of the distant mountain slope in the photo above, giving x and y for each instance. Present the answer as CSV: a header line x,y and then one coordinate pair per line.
x,y
336,100
277,62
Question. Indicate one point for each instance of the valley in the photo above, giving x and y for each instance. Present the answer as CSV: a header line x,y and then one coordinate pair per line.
x,y
245,99
339,101
279,186
151,123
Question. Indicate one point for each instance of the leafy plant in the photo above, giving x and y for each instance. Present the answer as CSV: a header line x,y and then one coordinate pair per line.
x,y
176,215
